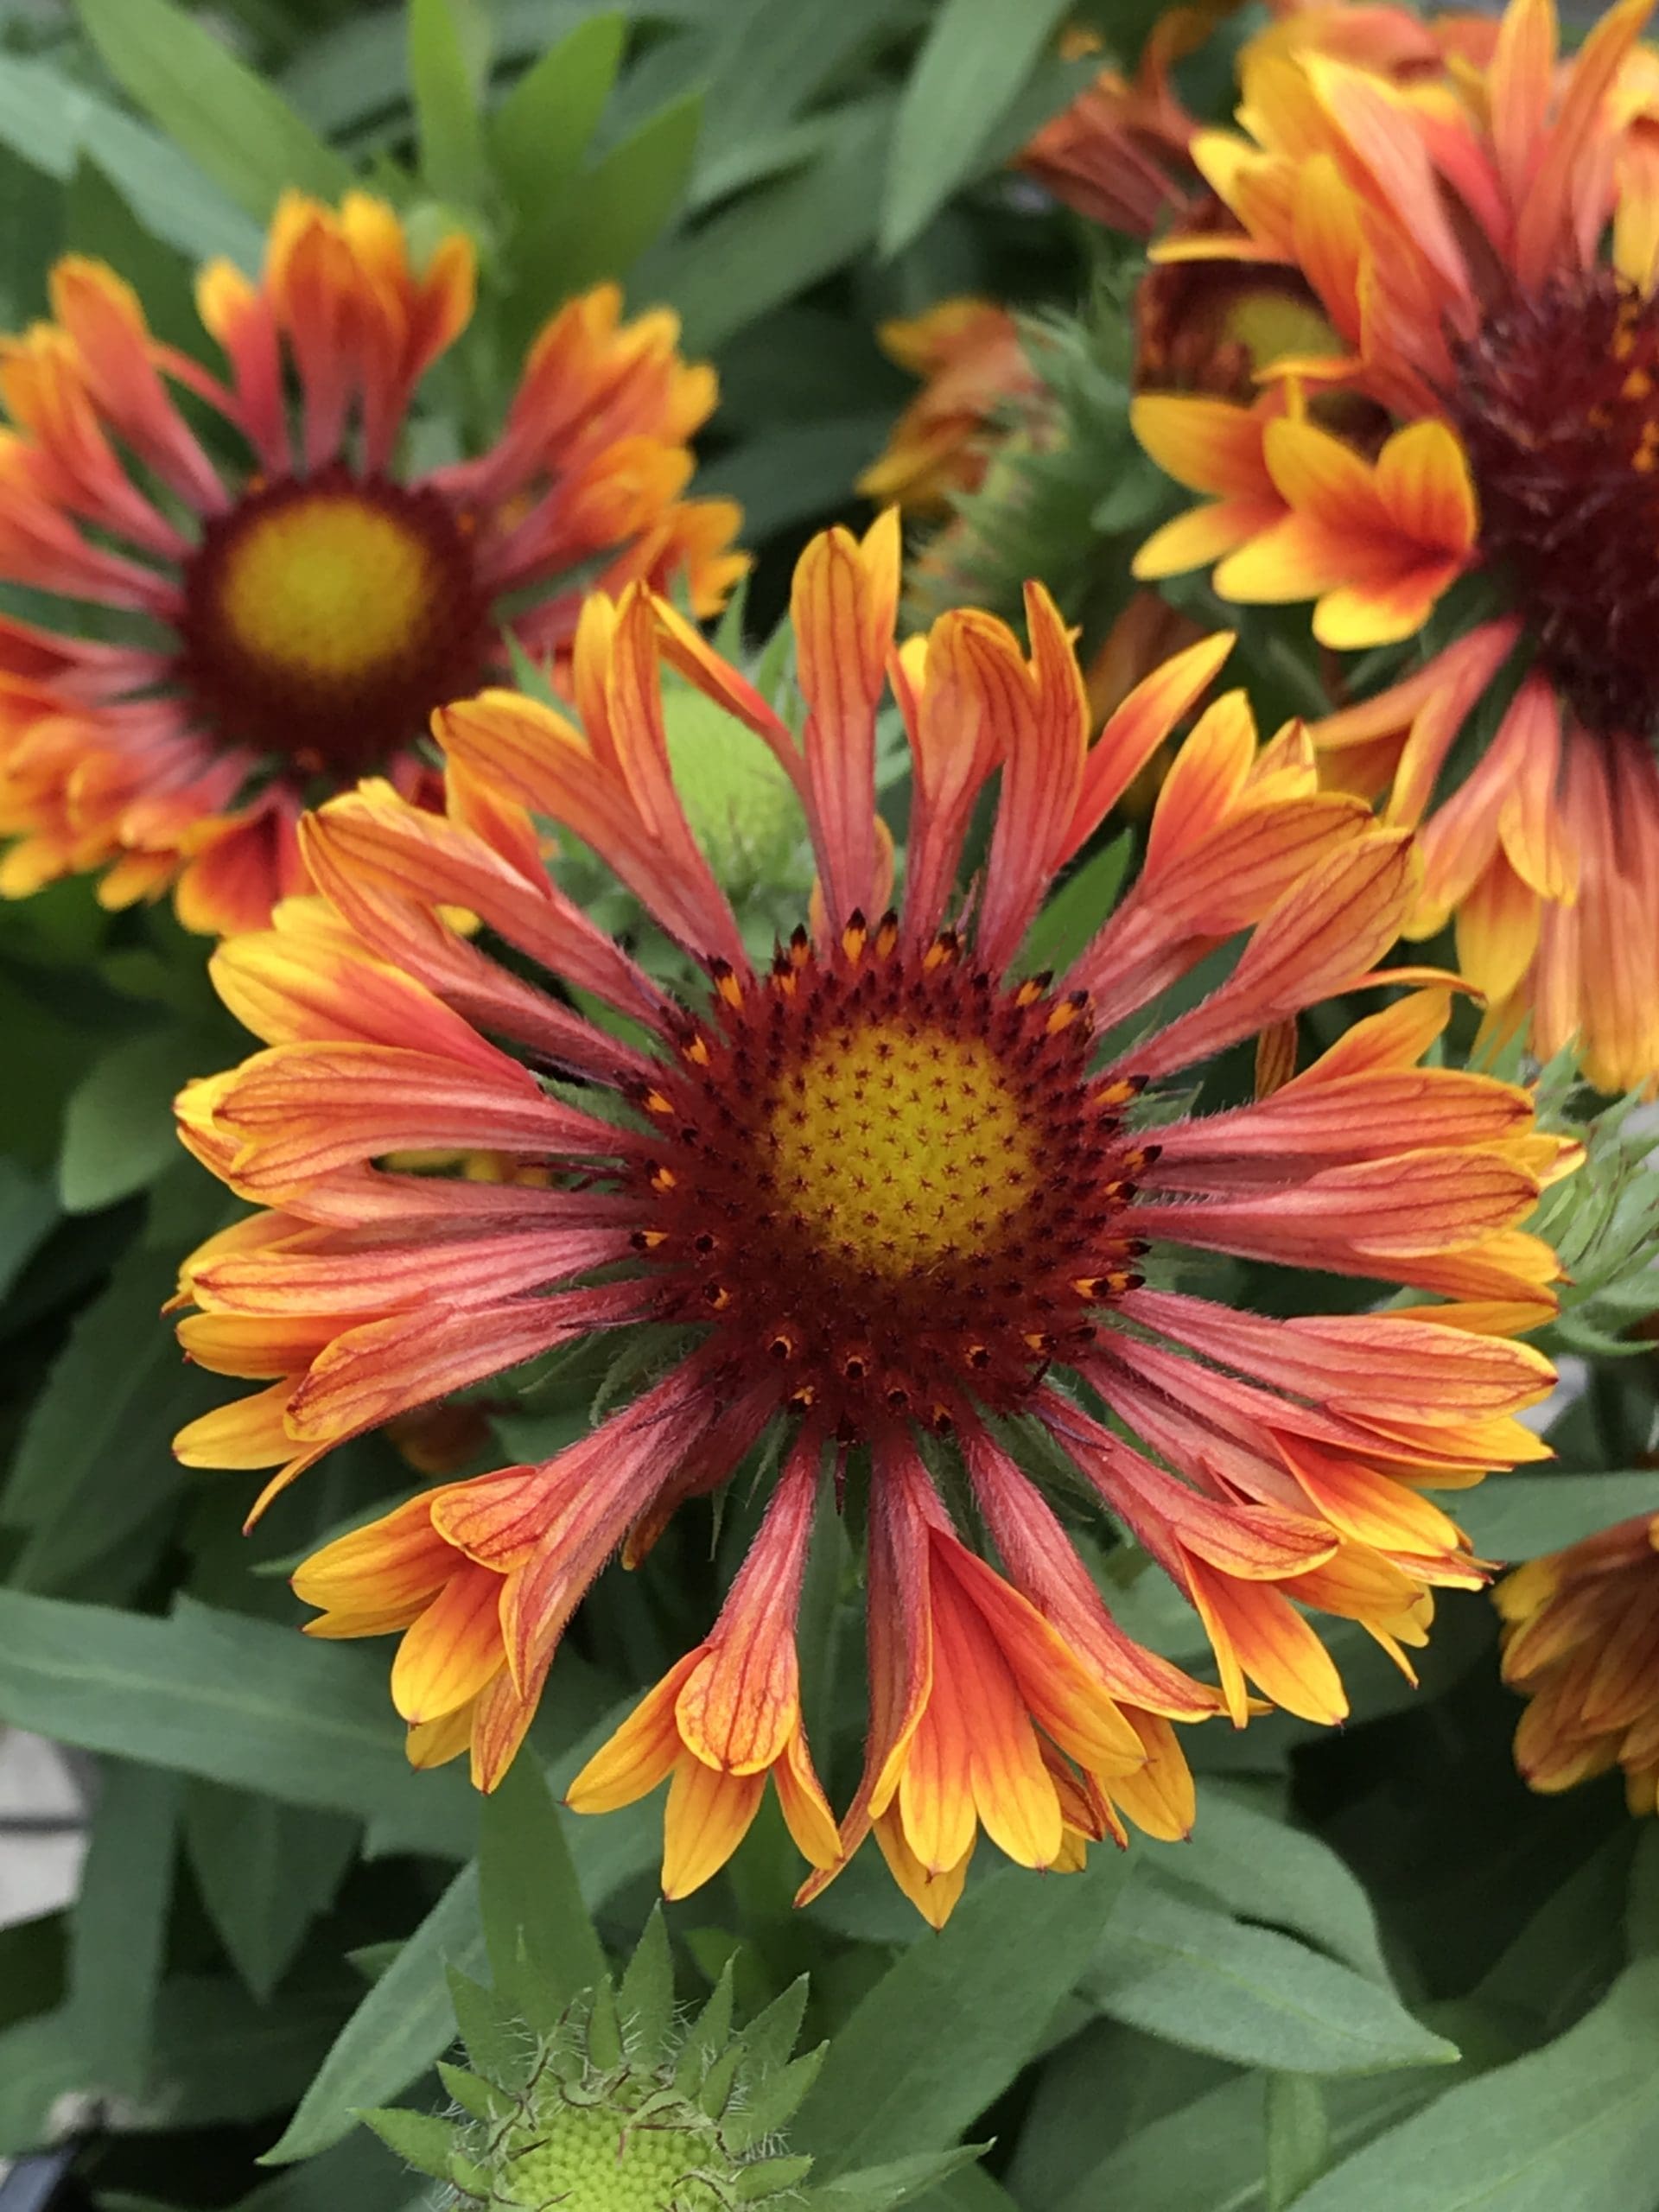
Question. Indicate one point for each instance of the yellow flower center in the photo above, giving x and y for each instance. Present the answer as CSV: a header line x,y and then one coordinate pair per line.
x,y
325,617
327,587
898,1143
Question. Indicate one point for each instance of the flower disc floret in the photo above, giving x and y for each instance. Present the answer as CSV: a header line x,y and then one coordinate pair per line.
x,y
895,1179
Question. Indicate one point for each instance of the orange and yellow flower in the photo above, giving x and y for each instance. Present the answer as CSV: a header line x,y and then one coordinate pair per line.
x,y
896,1197
283,603
1483,236
977,381
1118,153
1581,1644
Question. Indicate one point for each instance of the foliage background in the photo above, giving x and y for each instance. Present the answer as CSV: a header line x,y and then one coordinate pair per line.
x,y
1381,1974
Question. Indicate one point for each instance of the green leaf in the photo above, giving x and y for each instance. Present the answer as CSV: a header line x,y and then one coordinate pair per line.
x,y
408,2018
603,220
118,1133
447,114
265,1870
1071,917
1575,2124
28,1213
243,133
240,1701
401,2026
777,54
645,1997
796,472
1198,1977
777,242
420,2138
978,56
1512,1518
542,1945
541,131
1263,1870
879,2188
359,2172
94,1460
1298,2137
118,1929
52,122
1208,2150
954,2020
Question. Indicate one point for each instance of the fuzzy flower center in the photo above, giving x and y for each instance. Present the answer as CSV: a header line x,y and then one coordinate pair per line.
x,y
899,1144
887,1183
325,617
1557,402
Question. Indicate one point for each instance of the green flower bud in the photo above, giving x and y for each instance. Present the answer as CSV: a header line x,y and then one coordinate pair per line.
x,y
740,804
610,2109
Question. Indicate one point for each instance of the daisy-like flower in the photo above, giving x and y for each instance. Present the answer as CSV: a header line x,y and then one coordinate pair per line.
x,y
897,1201
1581,1644
1485,238
280,602
977,381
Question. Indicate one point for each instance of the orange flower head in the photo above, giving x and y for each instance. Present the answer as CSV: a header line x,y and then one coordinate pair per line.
x,y
295,603
1479,224
1581,1645
900,1202
978,382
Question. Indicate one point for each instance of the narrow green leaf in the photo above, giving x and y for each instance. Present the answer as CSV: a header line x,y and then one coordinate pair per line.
x,y
224,117
603,220
542,1945
1264,1871
1576,2124
796,472
1519,1516
1298,2137
118,1929
265,1870
775,243
241,1702
95,1459
977,56
541,131
118,1133
1077,909
447,115
896,2080
400,2027
28,1214
880,2188
408,2018
50,122
777,54
1198,1977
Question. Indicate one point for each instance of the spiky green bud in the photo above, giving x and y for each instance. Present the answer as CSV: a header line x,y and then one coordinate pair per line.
x,y
613,2108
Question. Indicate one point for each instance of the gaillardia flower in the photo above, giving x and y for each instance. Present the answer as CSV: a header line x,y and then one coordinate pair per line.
x,y
1581,1644
905,1207
280,602
1453,226
977,385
